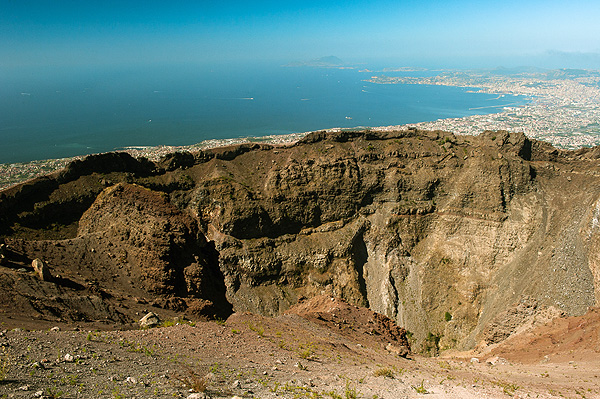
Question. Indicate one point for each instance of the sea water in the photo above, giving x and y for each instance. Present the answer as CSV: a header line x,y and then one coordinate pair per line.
x,y
54,113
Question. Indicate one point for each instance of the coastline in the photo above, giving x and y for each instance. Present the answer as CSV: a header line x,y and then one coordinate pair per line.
x,y
16,173
564,112
564,108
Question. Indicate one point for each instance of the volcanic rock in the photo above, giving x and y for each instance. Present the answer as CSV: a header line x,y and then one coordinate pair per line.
x,y
442,234
42,270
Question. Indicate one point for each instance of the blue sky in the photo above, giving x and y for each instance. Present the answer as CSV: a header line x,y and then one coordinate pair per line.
x,y
419,33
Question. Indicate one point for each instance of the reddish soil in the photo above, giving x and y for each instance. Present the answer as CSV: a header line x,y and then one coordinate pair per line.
x,y
322,348
569,339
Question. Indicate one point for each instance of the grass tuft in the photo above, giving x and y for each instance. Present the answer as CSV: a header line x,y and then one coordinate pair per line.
x,y
420,388
192,380
384,372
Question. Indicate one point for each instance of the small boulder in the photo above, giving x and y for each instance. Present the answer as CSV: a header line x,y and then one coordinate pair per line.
x,y
131,380
399,350
496,360
150,320
42,269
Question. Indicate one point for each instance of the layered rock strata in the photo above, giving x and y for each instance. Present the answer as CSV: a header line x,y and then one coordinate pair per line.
x,y
441,233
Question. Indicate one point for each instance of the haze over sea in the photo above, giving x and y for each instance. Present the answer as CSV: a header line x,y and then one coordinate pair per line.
x,y
79,111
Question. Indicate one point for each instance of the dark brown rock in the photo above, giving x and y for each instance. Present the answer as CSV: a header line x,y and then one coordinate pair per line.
x,y
415,225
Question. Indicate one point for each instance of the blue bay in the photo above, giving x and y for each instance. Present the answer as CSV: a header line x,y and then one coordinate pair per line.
x,y
60,113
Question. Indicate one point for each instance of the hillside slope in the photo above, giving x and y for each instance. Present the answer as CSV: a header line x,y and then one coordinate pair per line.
x,y
444,234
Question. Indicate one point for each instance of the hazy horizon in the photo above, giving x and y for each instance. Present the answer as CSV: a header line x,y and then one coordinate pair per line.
x,y
458,34
80,77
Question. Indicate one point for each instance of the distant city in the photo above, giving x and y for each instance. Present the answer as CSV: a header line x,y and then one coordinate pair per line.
x,y
564,110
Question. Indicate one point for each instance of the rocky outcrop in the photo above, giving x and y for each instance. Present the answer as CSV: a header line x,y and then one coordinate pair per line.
x,y
353,321
133,241
49,207
441,233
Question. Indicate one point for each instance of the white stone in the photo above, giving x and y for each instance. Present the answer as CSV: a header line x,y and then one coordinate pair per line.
x,y
496,360
150,320
41,269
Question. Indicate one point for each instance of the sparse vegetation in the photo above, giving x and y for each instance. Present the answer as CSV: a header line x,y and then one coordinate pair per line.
x,y
432,344
259,329
384,372
445,365
306,351
334,395
54,393
350,392
168,323
507,387
196,375
136,347
193,379
444,140
4,364
420,388
117,395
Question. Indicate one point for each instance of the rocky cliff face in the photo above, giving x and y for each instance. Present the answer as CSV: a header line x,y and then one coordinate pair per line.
x,y
444,234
